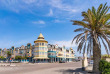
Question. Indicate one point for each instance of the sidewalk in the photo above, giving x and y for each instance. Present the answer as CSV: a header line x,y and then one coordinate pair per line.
x,y
60,70
7,64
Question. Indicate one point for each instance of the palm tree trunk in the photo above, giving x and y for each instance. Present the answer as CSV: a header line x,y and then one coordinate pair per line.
x,y
96,57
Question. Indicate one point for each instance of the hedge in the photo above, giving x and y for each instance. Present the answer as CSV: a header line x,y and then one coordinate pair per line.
x,y
104,67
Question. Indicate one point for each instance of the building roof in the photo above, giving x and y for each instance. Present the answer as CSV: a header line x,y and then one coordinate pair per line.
x,y
40,38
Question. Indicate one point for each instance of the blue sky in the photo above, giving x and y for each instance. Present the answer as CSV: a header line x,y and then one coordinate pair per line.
x,y
22,20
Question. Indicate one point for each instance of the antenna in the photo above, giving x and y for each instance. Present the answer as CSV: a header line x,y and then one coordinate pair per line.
x,y
40,30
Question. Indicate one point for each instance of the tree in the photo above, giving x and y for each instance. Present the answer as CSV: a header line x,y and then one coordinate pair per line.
x,y
8,54
2,58
24,57
94,30
18,58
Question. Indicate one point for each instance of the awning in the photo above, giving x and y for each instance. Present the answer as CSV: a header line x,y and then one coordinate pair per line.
x,y
60,57
40,58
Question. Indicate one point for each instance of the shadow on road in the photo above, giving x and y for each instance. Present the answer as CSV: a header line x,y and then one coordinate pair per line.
x,y
71,71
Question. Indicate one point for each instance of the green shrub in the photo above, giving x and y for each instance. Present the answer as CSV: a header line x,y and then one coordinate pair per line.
x,y
2,58
104,67
18,58
106,71
24,57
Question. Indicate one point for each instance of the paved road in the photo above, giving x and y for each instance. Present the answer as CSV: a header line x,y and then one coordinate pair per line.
x,y
47,68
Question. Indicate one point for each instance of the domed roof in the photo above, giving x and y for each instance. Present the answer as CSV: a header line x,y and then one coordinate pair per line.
x,y
40,38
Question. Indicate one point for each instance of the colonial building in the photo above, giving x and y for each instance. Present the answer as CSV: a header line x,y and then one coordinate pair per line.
x,y
56,54
4,52
29,50
41,51
52,53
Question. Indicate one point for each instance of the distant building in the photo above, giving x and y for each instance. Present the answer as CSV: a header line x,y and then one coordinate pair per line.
x,y
52,53
41,51
0,52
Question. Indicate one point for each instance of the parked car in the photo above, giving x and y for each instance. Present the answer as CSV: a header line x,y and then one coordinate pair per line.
x,y
61,61
91,62
76,60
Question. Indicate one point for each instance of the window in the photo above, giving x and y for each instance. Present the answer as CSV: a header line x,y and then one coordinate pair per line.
x,y
42,48
36,53
48,54
16,51
42,53
37,44
42,44
12,48
28,51
12,51
28,46
45,53
59,54
39,53
45,49
36,48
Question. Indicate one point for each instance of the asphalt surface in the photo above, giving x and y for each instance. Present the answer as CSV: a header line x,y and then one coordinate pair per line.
x,y
42,68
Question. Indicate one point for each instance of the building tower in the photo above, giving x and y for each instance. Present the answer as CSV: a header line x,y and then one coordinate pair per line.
x,y
29,50
12,51
40,51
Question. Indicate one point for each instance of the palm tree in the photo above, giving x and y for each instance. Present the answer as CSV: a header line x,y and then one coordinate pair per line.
x,y
8,54
94,31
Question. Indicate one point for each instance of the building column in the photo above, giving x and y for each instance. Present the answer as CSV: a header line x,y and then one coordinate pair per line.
x,y
32,60
35,60
55,59
51,60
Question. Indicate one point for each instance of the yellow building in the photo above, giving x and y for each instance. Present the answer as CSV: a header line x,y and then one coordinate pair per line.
x,y
60,54
40,50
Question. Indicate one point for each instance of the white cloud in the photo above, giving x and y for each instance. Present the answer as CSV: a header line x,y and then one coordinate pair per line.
x,y
32,5
50,13
58,21
62,6
19,5
66,43
29,1
38,22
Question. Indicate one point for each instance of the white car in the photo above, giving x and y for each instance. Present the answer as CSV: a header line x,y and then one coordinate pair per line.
x,y
91,62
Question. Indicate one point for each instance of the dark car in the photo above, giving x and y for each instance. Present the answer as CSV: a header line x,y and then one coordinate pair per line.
x,y
76,60
61,61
